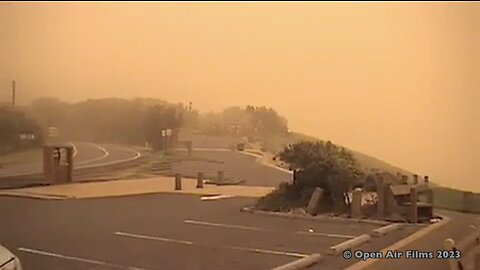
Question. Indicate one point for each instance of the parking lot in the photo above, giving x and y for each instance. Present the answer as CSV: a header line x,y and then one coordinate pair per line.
x,y
160,232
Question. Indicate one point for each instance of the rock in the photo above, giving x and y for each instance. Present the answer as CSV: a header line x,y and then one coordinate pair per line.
x,y
314,203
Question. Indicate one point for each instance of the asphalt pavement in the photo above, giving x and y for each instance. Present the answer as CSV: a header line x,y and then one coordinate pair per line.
x,y
235,165
162,231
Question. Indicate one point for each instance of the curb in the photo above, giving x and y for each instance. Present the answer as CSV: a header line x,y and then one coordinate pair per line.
x,y
402,243
301,263
349,244
314,218
378,232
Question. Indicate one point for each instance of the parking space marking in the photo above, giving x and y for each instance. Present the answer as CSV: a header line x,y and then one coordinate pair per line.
x,y
141,236
266,251
184,242
77,259
216,197
249,228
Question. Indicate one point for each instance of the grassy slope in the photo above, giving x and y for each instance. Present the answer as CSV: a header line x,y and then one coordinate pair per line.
x,y
275,144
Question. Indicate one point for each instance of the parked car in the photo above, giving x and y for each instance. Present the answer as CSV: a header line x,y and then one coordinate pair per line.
x,y
8,261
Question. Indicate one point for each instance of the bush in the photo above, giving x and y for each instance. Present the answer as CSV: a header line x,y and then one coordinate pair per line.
x,y
282,199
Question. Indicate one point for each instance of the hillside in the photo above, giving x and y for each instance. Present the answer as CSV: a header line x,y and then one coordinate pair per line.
x,y
275,144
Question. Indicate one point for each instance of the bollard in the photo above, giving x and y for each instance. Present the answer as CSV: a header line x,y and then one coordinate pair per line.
x,y
200,180
178,181
220,177
356,206
425,179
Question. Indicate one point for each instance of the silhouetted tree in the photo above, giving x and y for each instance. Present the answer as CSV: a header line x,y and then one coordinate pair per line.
x,y
325,165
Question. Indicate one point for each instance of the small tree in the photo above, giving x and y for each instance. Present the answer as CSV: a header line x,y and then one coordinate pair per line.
x,y
324,165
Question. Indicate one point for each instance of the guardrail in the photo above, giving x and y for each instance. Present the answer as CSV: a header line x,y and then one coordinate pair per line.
x,y
466,253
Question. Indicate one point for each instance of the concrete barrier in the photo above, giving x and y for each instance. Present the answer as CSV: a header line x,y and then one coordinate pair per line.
x,y
386,229
349,244
301,263
468,257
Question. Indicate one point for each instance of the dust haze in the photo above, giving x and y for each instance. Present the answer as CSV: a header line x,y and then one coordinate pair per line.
x,y
398,81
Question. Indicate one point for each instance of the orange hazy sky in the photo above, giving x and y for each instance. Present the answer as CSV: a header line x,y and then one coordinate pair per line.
x,y
399,81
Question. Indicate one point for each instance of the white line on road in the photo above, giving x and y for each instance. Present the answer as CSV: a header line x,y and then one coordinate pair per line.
x,y
184,242
242,227
77,259
75,151
105,155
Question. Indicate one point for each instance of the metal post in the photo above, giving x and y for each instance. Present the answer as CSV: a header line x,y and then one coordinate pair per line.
x,y
200,180
178,181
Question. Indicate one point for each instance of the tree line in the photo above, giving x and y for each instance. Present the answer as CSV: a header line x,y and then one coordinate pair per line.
x,y
112,120
18,130
251,121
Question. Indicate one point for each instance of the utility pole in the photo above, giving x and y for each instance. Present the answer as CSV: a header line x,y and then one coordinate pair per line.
x,y
13,93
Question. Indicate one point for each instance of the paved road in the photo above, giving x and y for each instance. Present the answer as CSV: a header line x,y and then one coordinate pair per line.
x,y
160,232
235,165
86,155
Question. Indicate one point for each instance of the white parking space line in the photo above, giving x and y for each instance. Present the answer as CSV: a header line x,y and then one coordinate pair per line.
x,y
266,251
77,259
241,227
141,236
215,198
184,242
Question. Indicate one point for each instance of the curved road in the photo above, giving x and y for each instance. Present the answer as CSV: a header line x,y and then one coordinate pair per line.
x,y
85,155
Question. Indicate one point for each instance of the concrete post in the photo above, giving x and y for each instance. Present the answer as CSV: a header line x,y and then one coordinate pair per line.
x,y
313,204
220,177
356,206
381,199
178,181
415,179
200,180
413,205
